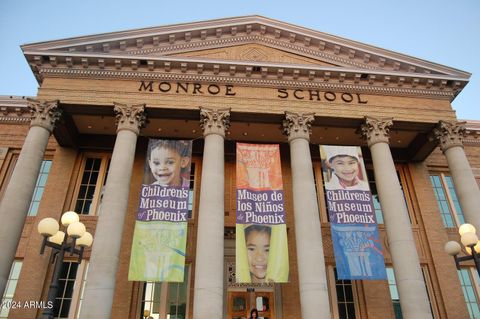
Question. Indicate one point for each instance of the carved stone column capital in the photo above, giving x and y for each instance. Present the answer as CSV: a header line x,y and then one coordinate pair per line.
x,y
376,130
214,121
130,117
450,134
44,113
298,125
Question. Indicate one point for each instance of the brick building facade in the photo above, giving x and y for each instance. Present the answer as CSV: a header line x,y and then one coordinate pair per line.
x,y
237,77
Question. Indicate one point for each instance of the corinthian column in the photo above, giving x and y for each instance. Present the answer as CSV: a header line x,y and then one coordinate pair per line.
x,y
450,135
408,273
208,292
102,272
308,233
18,194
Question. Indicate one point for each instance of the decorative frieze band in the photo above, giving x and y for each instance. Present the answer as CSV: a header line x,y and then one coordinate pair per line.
x,y
130,117
298,125
450,134
242,80
376,130
44,113
214,121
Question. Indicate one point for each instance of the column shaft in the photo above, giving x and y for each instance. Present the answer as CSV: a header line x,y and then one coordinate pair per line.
x,y
102,273
17,197
465,185
450,136
208,294
408,273
311,263
209,259
312,275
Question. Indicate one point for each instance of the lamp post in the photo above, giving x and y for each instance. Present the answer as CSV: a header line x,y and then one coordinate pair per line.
x,y
62,243
471,244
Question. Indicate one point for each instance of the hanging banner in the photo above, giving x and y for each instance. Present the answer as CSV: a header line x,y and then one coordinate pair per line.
x,y
261,233
356,242
160,237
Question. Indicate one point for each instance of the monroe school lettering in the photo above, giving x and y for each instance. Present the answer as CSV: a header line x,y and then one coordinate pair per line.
x,y
187,88
316,95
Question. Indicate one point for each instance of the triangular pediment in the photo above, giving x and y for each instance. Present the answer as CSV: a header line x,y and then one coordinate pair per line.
x,y
226,33
248,46
253,53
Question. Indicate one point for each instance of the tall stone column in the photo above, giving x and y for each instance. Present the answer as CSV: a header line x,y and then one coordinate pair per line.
x,y
450,135
100,286
18,194
312,274
406,264
208,292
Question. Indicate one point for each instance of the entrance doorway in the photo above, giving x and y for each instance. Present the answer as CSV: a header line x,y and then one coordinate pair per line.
x,y
241,302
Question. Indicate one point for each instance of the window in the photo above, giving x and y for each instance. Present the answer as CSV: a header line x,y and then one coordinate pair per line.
x,y
454,199
191,193
392,285
469,280
7,166
66,284
78,290
39,187
166,300
343,295
89,189
447,200
376,200
401,174
10,287
345,303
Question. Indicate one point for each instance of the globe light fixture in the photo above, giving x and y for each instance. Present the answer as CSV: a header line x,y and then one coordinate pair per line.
x,y
48,227
74,240
466,228
69,217
471,246
146,314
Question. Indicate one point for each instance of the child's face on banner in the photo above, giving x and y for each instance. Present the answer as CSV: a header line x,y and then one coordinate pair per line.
x,y
345,167
258,247
165,165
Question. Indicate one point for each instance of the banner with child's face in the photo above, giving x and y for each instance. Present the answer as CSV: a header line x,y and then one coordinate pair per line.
x,y
356,242
160,237
261,235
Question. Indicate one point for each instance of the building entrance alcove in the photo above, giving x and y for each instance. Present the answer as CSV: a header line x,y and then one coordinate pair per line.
x,y
241,298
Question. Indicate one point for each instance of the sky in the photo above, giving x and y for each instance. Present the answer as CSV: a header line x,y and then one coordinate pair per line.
x,y
441,31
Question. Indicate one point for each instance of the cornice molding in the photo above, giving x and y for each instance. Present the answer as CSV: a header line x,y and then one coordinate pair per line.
x,y
14,110
406,90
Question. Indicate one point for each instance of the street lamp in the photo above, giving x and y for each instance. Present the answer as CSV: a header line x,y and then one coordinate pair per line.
x,y
59,242
471,244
